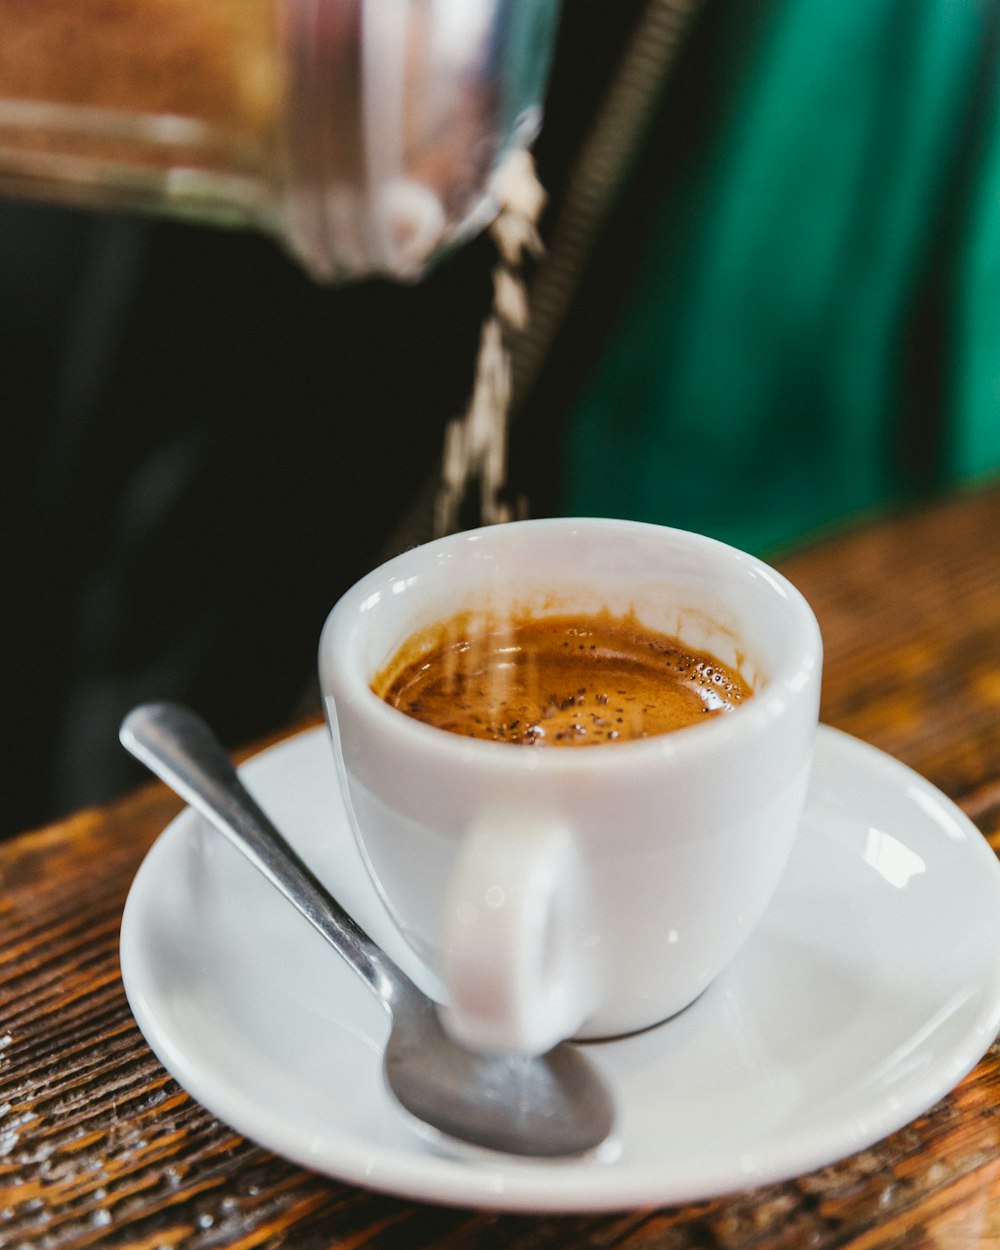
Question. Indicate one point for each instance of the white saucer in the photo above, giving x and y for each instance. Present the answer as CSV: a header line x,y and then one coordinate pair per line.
x,y
869,989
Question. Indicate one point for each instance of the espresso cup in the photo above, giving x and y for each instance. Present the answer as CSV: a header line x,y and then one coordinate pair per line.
x,y
593,891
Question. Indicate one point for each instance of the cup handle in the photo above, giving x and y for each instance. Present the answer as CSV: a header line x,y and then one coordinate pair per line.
x,y
515,965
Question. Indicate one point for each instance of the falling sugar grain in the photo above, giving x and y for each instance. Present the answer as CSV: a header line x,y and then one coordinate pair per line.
x,y
475,445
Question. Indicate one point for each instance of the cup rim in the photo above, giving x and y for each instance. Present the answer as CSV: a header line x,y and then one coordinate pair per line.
x,y
795,673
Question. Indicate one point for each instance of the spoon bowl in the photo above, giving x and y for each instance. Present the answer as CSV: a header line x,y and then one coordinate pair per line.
x,y
553,1105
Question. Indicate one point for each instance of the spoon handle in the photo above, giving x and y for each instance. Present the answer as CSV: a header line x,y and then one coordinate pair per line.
x,y
175,744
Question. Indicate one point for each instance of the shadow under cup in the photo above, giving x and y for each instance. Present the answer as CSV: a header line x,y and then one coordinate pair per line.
x,y
676,842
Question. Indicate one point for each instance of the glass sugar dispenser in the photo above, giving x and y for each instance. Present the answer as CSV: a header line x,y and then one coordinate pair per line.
x,y
365,135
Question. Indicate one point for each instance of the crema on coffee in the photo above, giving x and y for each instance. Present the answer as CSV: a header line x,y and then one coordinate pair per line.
x,y
556,680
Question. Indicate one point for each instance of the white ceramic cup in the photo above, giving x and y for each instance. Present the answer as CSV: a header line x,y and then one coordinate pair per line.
x,y
592,891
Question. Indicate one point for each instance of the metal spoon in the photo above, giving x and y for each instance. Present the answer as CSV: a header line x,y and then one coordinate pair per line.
x,y
554,1105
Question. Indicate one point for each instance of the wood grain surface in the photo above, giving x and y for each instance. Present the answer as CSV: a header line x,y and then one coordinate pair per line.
x,y
99,1147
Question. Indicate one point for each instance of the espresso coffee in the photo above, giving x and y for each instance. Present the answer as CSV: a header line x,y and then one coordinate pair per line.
x,y
561,680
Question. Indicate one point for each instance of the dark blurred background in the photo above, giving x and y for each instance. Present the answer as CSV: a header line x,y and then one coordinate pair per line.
x,y
789,318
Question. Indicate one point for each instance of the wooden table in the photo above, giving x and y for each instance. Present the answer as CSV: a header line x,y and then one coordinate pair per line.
x,y
98,1146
